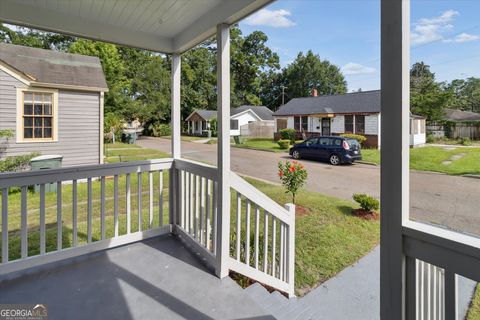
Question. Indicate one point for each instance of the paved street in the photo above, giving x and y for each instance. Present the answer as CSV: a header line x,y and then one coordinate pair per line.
x,y
447,200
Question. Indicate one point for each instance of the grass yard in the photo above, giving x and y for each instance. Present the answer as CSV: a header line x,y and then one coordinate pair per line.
x,y
261,144
186,138
474,311
328,239
432,158
121,152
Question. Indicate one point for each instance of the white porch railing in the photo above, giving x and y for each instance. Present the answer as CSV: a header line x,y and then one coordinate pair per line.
x,y
78,210
435,257
85,211
261,245
263,237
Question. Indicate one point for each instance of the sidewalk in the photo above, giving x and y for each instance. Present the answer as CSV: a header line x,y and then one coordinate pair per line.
x,y
355,292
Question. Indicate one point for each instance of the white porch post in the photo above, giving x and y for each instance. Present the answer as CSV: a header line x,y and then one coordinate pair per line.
x,y
175,123
395,107
175,111
223,158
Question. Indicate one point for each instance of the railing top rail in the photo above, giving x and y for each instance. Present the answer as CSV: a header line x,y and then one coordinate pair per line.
x,y
81,172
460,242
259,198
198,168
455,252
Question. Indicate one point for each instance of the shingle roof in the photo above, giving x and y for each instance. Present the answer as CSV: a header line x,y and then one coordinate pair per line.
x,y
366,101
53,67
263,112
459,115
205,114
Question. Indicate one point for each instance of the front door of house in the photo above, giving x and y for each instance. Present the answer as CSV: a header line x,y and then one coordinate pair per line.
x,y
326,126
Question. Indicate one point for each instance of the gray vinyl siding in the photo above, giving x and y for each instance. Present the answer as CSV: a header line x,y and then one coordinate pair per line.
x,y
78,124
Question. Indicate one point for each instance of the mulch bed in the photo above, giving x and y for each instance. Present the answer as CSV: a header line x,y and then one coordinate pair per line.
x,y
301,211
367,215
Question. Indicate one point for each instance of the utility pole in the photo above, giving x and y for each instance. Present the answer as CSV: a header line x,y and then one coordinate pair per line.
x,y
283,94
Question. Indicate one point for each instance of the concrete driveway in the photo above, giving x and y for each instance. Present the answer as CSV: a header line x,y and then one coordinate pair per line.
x,y
450,201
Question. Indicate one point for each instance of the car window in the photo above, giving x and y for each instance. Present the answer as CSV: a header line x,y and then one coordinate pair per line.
x,y
311,142
337,142
324,141
353,143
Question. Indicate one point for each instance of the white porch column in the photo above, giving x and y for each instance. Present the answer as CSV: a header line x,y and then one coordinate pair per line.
x,y
395,107
176,132
175,111
223,158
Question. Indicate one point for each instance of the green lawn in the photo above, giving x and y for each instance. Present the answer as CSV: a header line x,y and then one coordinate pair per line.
x,y
121,152
261,144
432,158
186,138
120,145
328,239
474,311
371,155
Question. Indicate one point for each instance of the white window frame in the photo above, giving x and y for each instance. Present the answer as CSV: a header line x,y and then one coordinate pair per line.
x,y
20,105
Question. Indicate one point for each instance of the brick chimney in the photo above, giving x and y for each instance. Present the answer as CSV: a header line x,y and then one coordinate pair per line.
x,y
314,92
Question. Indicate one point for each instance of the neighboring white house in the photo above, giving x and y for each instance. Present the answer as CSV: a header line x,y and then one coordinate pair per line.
x,y
198,122
357,113
53,101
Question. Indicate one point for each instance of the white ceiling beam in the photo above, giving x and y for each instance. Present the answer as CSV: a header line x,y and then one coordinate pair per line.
x,y
17,13
228,12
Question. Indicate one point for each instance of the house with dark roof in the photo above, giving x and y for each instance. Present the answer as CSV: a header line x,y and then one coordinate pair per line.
x,y
198,122
456,124
356,112
53,101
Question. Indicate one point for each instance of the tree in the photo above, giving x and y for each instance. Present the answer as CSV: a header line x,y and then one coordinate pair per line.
x,y
199,80
117,99
251,60
309,72
465,94
34,38
149,88
427,97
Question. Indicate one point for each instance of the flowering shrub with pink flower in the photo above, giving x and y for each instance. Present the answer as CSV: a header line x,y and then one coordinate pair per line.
x,y
293,176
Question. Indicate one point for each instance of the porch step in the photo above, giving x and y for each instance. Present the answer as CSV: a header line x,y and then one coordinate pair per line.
x,y
278,305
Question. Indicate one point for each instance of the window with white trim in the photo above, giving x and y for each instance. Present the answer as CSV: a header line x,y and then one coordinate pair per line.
x,y
37,116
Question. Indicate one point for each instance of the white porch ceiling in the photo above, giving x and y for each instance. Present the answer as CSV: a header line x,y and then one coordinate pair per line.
x,y
160,25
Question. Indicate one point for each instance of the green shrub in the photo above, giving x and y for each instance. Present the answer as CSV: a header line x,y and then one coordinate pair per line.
x,y
288,134
361,139
284,144
6,133
213,126
293,176
113,126
16,163
160,129
366,202
430,138
466,141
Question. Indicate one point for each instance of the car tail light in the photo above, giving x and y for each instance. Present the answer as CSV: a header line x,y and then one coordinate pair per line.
x,y
345,145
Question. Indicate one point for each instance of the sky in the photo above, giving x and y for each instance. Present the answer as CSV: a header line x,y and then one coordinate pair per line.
x,y
445,34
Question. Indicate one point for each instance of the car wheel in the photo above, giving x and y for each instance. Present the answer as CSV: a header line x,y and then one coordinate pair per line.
x,y
334,160
296,154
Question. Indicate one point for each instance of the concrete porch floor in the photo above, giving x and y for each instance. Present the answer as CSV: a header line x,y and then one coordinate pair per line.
x,y
153,279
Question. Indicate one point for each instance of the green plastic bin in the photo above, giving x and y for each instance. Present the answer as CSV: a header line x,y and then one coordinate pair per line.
x,y
130,138
46,162
238,139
